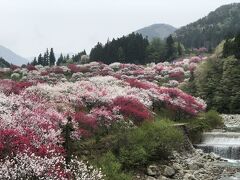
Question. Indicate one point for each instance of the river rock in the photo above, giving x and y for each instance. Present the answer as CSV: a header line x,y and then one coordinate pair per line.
x,y
188,176
177,166
168,171
193,166
153,170
214,156
199,151
162,178
150,178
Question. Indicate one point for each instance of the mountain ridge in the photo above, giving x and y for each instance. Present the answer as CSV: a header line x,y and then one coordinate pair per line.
x,y
158,30
11,56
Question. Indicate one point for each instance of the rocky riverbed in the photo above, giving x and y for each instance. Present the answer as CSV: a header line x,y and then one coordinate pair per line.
x,y
189,166
231,120
195,164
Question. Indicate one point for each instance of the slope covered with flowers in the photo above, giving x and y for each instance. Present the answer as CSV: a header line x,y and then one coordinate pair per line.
x,y
34,109
165,74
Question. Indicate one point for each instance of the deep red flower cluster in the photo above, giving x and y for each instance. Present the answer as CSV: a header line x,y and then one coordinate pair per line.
x,y
12,142
73,68
87,124
30,67
179,76
44,73
14,67
131,108
56,70
133,82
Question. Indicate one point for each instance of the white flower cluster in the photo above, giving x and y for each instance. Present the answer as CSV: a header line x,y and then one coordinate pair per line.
x,y
27,167
97,89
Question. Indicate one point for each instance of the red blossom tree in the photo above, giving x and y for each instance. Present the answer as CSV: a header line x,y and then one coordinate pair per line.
x,y
133,109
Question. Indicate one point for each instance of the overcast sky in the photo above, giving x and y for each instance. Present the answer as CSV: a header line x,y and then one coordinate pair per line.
x,y
28,27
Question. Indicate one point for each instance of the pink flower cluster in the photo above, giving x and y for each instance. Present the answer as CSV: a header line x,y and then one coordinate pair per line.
x,y
30,131
9,87
97,96
161,73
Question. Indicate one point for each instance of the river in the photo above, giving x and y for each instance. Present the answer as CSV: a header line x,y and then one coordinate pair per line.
x,y
225,143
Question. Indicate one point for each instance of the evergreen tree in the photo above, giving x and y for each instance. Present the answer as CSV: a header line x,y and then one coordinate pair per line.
x,y
207,80
131,49
217,82
46,58
170,48
60,60
227,48
40,59
97,53
180,49
52,59
77,57
120,54
232,47
68,142
67,57
230,84
237,46
156,51
34,62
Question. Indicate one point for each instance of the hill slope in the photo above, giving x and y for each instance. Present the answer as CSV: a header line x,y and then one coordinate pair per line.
x,y
157,30
212,29
11,57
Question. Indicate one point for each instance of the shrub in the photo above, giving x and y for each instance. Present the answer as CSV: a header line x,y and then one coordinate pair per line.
x,y
205,122
112,168
196,127
151,141
213,119
15,76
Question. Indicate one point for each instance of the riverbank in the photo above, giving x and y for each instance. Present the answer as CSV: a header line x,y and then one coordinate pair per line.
x,y
199,165
190,166
231,121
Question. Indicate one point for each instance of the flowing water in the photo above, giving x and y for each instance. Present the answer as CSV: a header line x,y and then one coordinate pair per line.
x,y
225,143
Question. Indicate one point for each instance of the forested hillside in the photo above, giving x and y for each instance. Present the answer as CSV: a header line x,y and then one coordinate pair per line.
x,y
217,80
135,48
212,29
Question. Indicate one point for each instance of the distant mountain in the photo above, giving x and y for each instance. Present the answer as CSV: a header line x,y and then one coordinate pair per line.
x,y
211,30
3,63
157,30
11,57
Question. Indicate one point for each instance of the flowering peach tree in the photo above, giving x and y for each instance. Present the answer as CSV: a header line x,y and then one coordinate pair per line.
x,y
96,96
